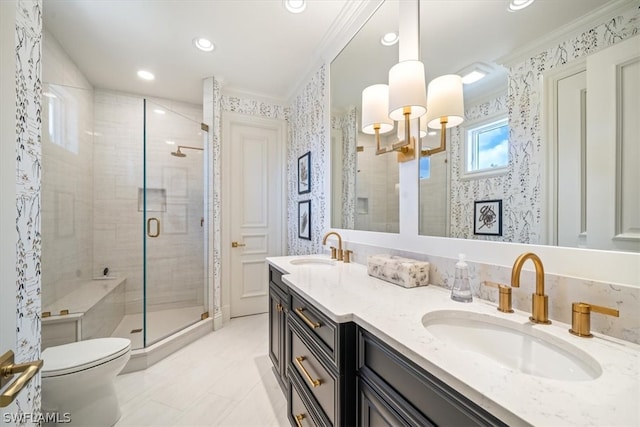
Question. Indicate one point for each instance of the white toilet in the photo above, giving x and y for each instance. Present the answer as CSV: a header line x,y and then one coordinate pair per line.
x,y
77,380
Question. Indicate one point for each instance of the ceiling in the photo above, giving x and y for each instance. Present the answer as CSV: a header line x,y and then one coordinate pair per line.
x,y
264,51
261,48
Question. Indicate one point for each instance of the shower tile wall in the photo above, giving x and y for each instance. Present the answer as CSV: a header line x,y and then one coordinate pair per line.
x,y
119,223
67,189
91,177
377,200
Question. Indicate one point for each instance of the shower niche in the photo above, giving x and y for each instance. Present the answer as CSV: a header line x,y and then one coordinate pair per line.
x,y
156,199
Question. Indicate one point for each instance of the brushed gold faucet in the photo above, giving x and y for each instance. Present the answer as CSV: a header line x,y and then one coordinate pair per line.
x,y
340,254
539,301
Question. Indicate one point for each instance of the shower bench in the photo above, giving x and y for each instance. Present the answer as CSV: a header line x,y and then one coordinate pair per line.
x,y
93,309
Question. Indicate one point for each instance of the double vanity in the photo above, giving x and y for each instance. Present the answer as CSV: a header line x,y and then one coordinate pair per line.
x,y
350,349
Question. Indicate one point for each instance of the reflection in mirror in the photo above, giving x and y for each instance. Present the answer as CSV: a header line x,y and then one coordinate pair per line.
x,y
364,187
448,196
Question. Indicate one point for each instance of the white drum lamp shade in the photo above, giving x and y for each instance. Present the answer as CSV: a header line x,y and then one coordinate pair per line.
x,y
375,106
445,99
407,89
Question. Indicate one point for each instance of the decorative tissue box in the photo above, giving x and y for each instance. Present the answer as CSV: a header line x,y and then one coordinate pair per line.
x,y
398,270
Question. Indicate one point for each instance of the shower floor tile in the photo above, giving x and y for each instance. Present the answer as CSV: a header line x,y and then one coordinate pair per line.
x,y
160,324
199,385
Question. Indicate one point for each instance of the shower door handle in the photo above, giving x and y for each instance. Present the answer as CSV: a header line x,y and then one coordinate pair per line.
x,y
157,233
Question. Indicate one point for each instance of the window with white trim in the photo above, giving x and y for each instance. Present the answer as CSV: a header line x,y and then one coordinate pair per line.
x,y
487,146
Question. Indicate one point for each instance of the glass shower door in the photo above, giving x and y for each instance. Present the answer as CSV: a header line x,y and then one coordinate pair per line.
x,y
174,214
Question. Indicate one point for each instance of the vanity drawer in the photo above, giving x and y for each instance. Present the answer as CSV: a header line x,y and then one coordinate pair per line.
x,y
317,325
301,410
275,277
299,414
314,374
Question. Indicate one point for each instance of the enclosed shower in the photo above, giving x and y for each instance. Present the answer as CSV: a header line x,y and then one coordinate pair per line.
x,y
123,216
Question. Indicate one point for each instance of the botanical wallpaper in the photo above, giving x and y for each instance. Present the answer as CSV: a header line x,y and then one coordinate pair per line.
x,y
211,117
307,133
28,168
254,108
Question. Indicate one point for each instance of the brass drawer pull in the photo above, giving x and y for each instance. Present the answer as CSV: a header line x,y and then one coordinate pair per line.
x,y
314,383
279,308
299,419
308,321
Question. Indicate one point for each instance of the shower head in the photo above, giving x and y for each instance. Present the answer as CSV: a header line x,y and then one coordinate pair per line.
x,y
178,153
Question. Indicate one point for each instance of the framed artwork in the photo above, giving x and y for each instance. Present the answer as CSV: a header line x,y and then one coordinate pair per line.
x,y
304,173
304,219
487,218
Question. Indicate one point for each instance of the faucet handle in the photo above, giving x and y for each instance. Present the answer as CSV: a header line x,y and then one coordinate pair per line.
x,y
504,296
347,256
581,317
333,252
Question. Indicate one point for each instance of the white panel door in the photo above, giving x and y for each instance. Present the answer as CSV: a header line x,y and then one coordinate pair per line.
x,y
613,141
253,149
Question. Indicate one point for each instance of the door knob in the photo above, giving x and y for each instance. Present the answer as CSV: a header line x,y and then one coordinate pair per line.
x,y
7,369
237,245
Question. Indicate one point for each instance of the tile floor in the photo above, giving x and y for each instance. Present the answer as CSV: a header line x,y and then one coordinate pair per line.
x,y
223,379
160,324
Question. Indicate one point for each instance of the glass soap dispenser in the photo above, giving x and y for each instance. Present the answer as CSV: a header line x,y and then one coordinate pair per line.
x,y
461,290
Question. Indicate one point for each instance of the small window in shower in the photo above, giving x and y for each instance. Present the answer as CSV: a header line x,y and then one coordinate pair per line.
x,y
156,199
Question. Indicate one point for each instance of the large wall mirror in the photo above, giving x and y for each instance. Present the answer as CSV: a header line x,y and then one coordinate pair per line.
x,y
364,186
501,176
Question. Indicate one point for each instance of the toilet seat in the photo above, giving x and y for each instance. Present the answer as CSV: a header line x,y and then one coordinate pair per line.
x,y
78,356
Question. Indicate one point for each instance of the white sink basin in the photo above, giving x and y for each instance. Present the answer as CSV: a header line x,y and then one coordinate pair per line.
x,y
321,262
512,345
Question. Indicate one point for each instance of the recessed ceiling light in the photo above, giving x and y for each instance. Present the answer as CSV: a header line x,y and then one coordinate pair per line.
x,y
389,39
472,77
475,72
515,5
145,75
170,142
159,111
203,44
295,6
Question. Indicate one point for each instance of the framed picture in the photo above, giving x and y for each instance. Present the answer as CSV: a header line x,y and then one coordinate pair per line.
x,y
487,218
304,173
304,219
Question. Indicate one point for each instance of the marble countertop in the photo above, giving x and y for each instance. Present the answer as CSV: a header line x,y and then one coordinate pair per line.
x,y
345,293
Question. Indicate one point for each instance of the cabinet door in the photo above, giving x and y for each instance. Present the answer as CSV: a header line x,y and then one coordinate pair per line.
x,y
276,335
374,411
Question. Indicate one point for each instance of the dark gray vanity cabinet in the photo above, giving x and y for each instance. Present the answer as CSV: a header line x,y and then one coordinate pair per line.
x,y
321,363
394,391
278,307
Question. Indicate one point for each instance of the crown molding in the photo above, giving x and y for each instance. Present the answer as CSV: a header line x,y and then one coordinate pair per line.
x,y
351,18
